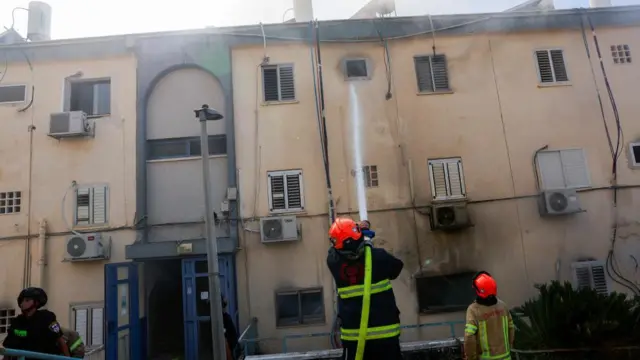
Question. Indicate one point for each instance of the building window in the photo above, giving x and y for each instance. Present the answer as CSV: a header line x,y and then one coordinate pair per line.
x,y
91,205
88,321
10,94
370,176
445,293
286,192
621,54
356,69
591,275
563,169
299,307
277,81
551,66
91,96
10,202
432,73
184,147
634,154
6,315
447,179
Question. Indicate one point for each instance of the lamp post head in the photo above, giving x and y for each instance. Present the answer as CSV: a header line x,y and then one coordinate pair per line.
x,y
205,113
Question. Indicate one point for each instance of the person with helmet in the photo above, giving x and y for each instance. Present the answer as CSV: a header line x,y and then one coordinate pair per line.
x,y
489,330
35,329
370,319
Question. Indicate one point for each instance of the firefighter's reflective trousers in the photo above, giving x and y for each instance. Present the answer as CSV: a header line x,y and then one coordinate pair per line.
x,y
365,291
487,346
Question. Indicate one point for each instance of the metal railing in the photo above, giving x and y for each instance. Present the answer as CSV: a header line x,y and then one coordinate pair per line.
x,y
92,354
247,340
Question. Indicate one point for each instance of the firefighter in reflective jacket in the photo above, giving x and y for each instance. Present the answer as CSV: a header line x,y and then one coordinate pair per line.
x,y
489,330
367,307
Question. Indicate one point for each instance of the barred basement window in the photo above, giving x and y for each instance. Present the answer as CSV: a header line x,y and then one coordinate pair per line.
x,y
10,202
286,192
277,82
551,66
432,73
299,307
371,176
5,319
621,54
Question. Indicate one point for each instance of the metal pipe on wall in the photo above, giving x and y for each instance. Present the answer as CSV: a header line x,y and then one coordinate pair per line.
x,y
42,255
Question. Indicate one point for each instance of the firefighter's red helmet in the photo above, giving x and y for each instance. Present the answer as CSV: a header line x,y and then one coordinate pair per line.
x,y
344,229
485,285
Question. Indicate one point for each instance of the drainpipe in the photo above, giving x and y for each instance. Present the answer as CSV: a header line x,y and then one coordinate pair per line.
x,y
42,255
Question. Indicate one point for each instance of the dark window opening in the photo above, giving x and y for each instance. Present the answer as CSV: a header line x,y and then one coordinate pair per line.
x,y
299,307
12,93
635,149
356,68
445,293
184,147
92,97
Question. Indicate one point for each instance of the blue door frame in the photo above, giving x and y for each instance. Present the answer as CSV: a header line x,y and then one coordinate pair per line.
x,y
195,295
124,336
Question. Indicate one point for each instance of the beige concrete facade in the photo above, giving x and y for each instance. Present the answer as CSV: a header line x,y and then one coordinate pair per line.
x,y
495,117
43,170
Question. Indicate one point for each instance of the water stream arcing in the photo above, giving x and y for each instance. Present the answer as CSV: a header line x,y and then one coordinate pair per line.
x,y
356,132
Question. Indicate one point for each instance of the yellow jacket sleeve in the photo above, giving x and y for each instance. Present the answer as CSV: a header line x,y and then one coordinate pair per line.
x,y
512,330
470,336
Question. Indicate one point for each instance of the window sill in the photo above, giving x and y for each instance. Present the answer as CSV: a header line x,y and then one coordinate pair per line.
x,y
308,324
284,102
186,158
554,84
93,228
439,92
301,212
13,213
98,116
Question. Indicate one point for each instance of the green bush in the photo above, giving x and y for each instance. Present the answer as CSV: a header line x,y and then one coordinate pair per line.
x,y
561,317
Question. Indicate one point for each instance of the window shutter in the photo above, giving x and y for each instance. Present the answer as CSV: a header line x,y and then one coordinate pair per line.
x,y
423,74
83,206
559,68
277,192
439,180
544,66
574,167
81,322
454,173
97,326
294,193
99,205
287,88
270,83
440,73
550,170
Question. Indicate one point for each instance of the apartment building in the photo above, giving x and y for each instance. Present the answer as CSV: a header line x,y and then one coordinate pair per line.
x,y
67,176
484,147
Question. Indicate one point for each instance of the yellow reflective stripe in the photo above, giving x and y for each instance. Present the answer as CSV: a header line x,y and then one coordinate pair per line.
x,y
358,290
505,332
484,342
506,356
470,329
75,344
380,332
366,304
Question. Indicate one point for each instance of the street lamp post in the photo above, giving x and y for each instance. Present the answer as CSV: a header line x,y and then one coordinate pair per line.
x,y
205,114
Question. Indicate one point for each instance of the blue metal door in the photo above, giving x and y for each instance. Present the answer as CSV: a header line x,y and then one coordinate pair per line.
x,y
195,296
122,312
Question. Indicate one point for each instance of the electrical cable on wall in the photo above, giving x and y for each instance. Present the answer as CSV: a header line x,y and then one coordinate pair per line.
x,y
611,266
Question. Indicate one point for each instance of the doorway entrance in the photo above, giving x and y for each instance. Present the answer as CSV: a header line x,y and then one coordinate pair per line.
x,y
196,297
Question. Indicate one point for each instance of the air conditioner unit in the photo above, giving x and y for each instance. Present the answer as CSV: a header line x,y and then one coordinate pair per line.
x,y
559,202
87,247
279,229
69,124
450,215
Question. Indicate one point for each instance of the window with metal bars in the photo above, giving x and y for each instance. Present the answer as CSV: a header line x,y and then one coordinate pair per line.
x,y
591,275
431,73
91,205
621,54
184,147
551,66
277,83
6,315
447,179
10,202
300,307
285,190
370,176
